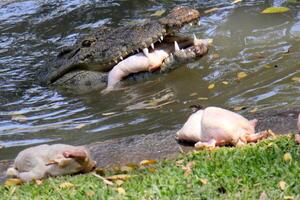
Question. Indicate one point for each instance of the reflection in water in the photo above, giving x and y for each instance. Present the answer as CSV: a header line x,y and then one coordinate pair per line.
x,y
266,47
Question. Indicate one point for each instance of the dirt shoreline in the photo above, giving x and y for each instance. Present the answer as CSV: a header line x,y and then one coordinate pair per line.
x,y
162,145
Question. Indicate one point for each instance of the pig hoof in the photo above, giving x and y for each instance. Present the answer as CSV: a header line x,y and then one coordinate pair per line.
x,y
12,172
203,145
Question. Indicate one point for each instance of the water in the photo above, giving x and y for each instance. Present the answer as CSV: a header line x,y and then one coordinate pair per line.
x,y
266,47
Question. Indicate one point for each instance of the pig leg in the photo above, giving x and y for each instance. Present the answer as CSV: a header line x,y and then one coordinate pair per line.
x,y
257,136
35,174
211,143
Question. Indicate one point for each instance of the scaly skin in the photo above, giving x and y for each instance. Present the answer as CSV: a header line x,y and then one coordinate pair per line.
x,y
98,52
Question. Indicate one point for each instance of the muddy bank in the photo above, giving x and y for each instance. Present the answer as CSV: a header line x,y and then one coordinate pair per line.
x,y
163,145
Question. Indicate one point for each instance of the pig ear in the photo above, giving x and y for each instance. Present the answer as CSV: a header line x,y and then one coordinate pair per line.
x,y
253,122
78,154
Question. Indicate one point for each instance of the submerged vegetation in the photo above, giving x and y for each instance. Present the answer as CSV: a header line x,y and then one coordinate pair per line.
x,y
267,170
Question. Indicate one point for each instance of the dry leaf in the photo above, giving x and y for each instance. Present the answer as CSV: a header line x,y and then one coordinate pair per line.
x,y
268,66
203,181
19,118
282,185
132,165
211,86
297,138
296,79
236,1
148,162
108,113
272,10
90,193
107,182
159,13
80,126
215,56
100,171
287,157
193,94
38,182
122,177
258,55
121,191
151,169
188,168
288,198
225,82
66,185
271,133
202,98
126,169
241,75
238,108
211,10
253,110
13,181
263,196
119,182
179,162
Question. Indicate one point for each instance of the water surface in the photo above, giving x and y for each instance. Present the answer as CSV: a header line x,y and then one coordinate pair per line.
x,y
265,47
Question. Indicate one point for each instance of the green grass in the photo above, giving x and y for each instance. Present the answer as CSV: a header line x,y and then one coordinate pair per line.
x,y
231,173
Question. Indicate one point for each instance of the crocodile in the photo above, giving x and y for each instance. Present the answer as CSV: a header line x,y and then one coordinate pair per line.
x,y
85,66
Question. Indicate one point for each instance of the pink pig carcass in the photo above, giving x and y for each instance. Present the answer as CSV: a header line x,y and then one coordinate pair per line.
x,y
50,160
215,126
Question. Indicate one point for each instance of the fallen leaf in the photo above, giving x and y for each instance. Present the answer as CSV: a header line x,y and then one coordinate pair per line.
x,y
193,94
268,66
148,162
203,181
225,82
253,110
126,169
100,171
297,138
211,10
80,126
296,79
263,196
13,181
271,133
188,168
121,191
66,185
273,10
132,165
119,182
241,75
287,157
214,56
90,193
211,86
288,198
159,13
238,108
122,177
108,113
202,98
38,182
282,185
151,169
179,162
236,1
107,182
19,118
258,55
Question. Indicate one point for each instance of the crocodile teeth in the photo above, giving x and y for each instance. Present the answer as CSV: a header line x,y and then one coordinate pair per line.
x,y
176,46
146,51
152,45
191,24
162,38
121,57
137,51
116,61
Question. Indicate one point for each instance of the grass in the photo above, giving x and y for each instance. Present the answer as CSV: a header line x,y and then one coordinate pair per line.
x,y
224,173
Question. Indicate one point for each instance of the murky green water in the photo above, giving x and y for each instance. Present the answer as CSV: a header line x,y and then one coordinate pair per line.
x,y
266,47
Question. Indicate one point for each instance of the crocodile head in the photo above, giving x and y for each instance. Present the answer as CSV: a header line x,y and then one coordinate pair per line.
x,y
104,48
